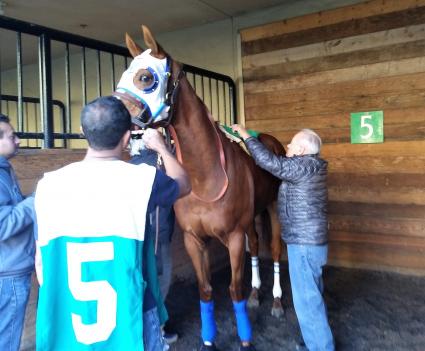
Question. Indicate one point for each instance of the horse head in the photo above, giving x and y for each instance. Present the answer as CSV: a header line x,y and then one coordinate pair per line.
x,y
147,87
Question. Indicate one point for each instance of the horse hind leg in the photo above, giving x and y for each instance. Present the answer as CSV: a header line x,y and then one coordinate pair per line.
x,y
276,251
200,260
253,300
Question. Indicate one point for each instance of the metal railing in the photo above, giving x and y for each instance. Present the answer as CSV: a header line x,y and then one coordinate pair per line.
x,y
98,64
30,109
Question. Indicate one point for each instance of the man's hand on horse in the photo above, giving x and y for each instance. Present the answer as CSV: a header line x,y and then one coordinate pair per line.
x,y
154,140
241,131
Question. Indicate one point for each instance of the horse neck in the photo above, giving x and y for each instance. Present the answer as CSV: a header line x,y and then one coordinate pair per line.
x,y
197,137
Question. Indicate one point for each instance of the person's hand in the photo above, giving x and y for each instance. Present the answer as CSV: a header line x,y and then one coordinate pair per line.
x,y
241,131
154,140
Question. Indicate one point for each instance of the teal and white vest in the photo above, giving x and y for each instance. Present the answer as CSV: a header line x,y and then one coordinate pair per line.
x,y
91,227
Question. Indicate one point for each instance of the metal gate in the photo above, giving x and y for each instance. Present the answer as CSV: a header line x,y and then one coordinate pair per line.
x,y
53,74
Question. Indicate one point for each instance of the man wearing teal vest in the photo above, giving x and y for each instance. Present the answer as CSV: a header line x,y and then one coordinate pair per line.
x,y
91,218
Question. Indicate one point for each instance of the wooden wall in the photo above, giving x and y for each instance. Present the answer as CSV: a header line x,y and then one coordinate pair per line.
x,y
311,72
30,165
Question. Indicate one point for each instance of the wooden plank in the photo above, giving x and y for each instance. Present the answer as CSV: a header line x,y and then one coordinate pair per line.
x,y
394,100
401,148
398,196
350,28
362,72
377,255
375,210
378,181
377,165
324,18
400,241
399,132
30,164
391,117
286,70
352,44
369,87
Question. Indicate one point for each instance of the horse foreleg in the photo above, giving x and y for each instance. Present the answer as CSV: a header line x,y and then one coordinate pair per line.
x,y
276,250
236,246
199,256
253,300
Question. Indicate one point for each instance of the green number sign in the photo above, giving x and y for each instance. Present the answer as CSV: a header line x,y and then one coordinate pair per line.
x,y
367,127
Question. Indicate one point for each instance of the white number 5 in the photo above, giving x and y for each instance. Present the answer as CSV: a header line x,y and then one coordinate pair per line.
x,y
364,124
100,291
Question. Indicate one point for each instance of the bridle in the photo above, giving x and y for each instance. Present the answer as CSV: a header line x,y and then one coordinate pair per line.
x,y
171,96
145,118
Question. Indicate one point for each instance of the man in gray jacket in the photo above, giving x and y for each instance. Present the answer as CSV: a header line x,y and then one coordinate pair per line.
x,y
302,205
17,244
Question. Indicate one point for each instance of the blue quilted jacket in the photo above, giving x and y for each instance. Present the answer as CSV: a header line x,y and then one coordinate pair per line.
x,y
303,195
17,245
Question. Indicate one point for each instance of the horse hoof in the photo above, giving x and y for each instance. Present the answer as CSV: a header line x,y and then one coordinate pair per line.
x,y
253,301
277,309
208,348
247,348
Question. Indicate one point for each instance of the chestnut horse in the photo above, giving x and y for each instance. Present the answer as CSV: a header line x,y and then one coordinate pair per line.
x,y
228,189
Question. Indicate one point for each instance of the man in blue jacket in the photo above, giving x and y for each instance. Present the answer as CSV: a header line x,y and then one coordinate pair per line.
x,y
17,245
302,206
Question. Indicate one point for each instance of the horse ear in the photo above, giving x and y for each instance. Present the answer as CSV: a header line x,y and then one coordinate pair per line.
x,y
150,40
135,50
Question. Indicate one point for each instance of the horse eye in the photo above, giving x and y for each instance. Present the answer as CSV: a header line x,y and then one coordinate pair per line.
x,y
145,78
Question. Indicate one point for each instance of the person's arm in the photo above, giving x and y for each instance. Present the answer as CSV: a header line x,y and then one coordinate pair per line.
x,y
14,218
285,168
154,140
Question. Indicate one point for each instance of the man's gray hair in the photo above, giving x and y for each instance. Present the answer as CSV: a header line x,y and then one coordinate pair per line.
x,y
312,141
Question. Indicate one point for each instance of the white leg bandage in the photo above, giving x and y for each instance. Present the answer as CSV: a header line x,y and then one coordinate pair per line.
x,y
255,281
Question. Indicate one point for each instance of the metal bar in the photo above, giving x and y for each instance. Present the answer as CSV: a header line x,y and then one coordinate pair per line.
x,y
113,72
207,73
56,135
68,90
45,66
37,143
26,120
99,75
218,100
233,106
63,115
210,86
20,114
83,76
202,81
225,105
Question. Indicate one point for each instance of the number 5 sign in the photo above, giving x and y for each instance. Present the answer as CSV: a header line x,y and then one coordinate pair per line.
x,y
367,127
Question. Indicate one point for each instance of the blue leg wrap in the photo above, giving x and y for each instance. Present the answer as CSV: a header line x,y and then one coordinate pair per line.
x,y
209,328
242,320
